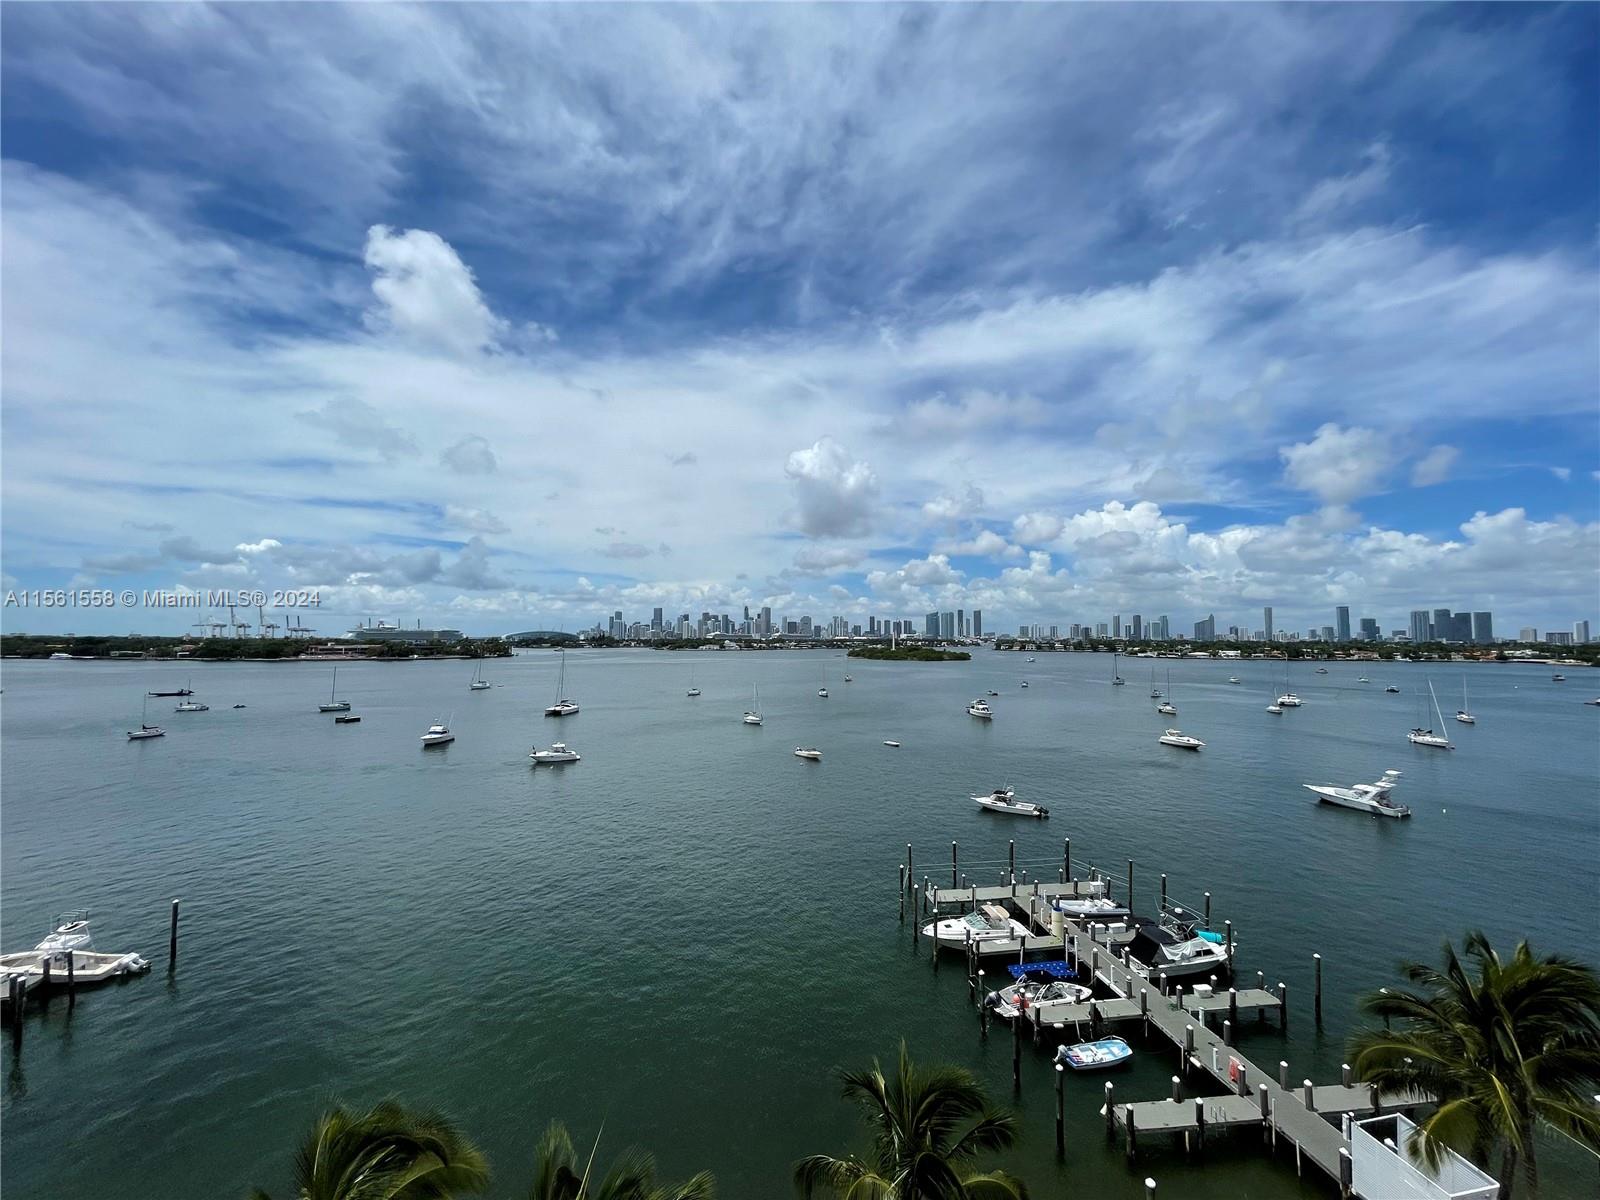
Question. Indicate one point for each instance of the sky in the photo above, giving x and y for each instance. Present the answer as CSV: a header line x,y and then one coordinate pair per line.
x,y
503,317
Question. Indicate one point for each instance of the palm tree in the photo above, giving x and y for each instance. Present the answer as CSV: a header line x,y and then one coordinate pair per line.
x,y
633,1177
386,1153
1501,1045
928,1125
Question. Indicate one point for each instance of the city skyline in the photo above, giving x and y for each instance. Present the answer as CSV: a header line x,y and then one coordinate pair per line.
x,y
1201,327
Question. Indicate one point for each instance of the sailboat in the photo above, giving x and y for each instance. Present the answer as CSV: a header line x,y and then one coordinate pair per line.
x,y
1155,692
1116,679
334,705
1166,707
822,691
1427,737
693,691
145,730
563,707
1288,699
479,683
752,715
1273,706
1464,714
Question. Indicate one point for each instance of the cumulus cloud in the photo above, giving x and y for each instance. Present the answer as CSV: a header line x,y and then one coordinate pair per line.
x,y
472,455
909,582
474,520
426,292
824,560
471,570
1036,528
835,494
360,426
987,544
261,547
1434,466
1338,465
950,507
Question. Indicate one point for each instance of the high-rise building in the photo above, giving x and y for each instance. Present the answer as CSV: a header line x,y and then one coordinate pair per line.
x,y
1558,639
1100,629
1341,623
1137,628
1580,632
1116,626
977,622
1165,633
655,620
930,625
1461,628
947,626
1369,630
961,622
1328,633
766,622
1266,622
1528,634
1420,629
1483,628
1206,630
1441,625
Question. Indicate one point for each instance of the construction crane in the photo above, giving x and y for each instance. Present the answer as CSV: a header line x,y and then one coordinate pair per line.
x,y
268,628
202,626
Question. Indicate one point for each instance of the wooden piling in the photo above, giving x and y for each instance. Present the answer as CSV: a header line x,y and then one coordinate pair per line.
x,y
1016,1051
1233,1006
1345,1074
1163,891
72,979
1061,1109
1127,1118
1228,929
19,1001
1177,1089
172,944
1316,993
1149,1188
1130,887
44,976
1011,863
910,870
952,864
1283,1006
1199,1123
1244,1079
1266,1110
1066,860
1346,1173
1208,910
1188,1047
1283,1074
902,893
1227,1032
1307,1098
916,924
1111,1114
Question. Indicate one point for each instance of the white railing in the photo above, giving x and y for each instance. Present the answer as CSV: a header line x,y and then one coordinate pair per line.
x,y
1385,1166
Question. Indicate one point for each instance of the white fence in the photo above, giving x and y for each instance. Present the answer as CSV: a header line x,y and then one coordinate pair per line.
x,y
1385,1167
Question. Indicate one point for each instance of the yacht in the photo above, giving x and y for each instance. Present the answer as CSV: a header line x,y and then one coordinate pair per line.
x,y
1289,700
1184,741
752,715
1004,800
438,735
1464,714
809,752
693,690
183,691
562,706
990,930
1596,702
1427,737
1095,1056
1167,708
192,706
1391,688
1024,683
479,683
1088,908
1275,709
558,753
992,692
822,691
1363,679
69,935
1038,995
980,708
1322,670
1363,797
1174,946
1030,658
1234,679
896,745
145,729
334,705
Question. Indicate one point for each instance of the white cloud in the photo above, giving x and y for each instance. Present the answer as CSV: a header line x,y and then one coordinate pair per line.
x,y
1331,197
986,544
360,426
474,520
949,507
260,547
836,494
1434,466
624,550
1036,528
426,292
826,560
472,455
1562,473
1338,465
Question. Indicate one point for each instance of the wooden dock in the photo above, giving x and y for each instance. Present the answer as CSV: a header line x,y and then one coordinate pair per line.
x,y
1302,1113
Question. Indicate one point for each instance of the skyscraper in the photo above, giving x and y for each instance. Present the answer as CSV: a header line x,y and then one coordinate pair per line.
x,y
1580,632
1483,628
977,622
961,622
766,622
1206,631
1419,626
1116,626
1138,627
655,621
1528,634
1441,625
1461,628
1266,621
947,625
930,625
1341,623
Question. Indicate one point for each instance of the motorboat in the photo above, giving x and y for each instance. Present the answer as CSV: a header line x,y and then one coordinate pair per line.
x,y
1175,946
1033,992
1030,658
1234,679
692,692
752,715
822,690
1184,741
183,691
559,752
1391,688
896,745
1558,678
1420,736
69,937
810,753
990,930
1004,800
1095,1056
1595,701
1322,670
1167,708
333,704
1363,797
1024,683
822,693
980,708
849,679
437,735
1275,709
562,707
239,706
1289,700
69,931
347,719
1363,679
1088,908
192,706
992,692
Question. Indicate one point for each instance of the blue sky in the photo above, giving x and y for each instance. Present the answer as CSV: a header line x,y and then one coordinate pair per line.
x,y
505,316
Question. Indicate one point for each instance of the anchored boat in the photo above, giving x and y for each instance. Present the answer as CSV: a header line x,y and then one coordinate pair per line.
x,y
980,708
808,752
559,752
437,735
1004,800
1180,739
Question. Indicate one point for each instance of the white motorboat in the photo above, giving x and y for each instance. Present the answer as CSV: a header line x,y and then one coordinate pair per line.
x,y
1234,679
1030,658
1095,1056
69,935
991,930
1464,714
1184,741
347,719
479,683
1175,947
1038,995
69,931
1363,797
1595,701
1024,683
752,715
559,752
1420,736
694,691
145,730
980,708
1275,709
896,745
1004,800
808,752
1289,700
1391,688
333,704
849,679
1363,679
562,707
438,735
992,692
192,706
1322,670
1088,908
1558,678
1167,708
822,691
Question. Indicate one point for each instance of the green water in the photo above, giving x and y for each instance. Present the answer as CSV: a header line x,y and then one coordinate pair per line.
x,y
682,936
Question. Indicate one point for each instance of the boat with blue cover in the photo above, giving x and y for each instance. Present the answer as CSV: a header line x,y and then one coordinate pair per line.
x,y
1095,1056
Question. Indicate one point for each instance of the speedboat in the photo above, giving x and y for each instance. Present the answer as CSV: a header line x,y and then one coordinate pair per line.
x,y
192,706
1184,741
1030,658
1363,679
1595,702
1095,1056
1088,908
896,745
69,935
1322,670
1176,946
1391,688
980,708
1289,700
558,753
992,692
1364,797
692,692
1234,679
822,693
238,706
808,752
146,731
849,679
1558,678
1427,737
1004,800
991,930
70,931
1024,683
437,735
1167,708
1031,992
347,719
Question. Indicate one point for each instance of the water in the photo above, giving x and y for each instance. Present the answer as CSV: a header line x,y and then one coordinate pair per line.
x,y
682,936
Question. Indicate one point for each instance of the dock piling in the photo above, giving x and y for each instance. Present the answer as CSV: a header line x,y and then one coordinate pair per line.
x,y
1227,1032
1308,1099
1188,1047
902,893
952,864
1208,910
1283,1006
1111,1114
1149,1188
172,944
1130,897
1061,1109
910,874
1127,1116
1283,1074
1266,1110
1316,993
1233,1005
1228,929
1177,1089
1016,1051
1346,1173
44,976
72,980
1345,1074
916,924
1199,1123
1066,860
1163,891
16,1002
1011,863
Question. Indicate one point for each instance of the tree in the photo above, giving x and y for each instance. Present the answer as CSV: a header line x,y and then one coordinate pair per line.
x,y
386,1153
633,1177
928,1125
1501,1045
